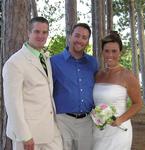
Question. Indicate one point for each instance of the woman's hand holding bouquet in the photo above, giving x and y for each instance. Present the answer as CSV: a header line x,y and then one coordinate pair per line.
x,y
103,115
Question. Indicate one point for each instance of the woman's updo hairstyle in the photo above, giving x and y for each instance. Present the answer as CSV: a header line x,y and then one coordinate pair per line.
x,y
113,36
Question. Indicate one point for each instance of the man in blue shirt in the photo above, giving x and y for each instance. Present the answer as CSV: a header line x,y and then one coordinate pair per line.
x,y
73,75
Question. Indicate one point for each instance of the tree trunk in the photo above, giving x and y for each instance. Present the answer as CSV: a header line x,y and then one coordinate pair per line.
x,y
97,28
70,16
141,36
133,37
109,11
0,70
16,14
103,19
34,8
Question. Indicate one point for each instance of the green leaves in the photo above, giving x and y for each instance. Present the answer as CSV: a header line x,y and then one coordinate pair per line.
x,y
56,45
126,59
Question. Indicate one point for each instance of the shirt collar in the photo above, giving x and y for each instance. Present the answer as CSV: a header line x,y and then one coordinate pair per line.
x,y
32,50
67,55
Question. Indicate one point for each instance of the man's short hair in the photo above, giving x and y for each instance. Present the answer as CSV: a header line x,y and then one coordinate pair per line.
x,y
84,25
37,19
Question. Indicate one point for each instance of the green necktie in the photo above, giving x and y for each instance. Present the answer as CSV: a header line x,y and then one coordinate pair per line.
x,y
43,63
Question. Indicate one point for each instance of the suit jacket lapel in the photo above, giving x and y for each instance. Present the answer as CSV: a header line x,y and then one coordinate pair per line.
x,y
34,60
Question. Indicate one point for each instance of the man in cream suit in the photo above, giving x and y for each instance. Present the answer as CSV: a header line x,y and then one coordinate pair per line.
x,y
28,94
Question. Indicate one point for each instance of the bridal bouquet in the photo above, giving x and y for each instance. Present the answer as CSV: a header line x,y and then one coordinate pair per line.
x,y
103,114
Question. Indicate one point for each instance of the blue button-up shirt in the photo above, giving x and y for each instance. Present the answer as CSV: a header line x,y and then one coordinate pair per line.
x,y
73,82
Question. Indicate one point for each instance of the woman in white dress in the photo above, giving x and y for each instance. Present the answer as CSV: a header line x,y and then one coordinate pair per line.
x,y
113,85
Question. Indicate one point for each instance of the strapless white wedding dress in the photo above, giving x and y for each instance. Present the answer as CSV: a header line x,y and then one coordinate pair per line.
x,y
112,138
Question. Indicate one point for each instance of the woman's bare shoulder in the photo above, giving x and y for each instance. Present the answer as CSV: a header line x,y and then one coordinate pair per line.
x,y
127,73
99,74
130,78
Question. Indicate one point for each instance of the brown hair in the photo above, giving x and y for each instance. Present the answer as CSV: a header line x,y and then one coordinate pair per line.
x,y
84,25
113,36
37,19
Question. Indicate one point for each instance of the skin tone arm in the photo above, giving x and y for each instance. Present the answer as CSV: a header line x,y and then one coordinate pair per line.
x,y
133,90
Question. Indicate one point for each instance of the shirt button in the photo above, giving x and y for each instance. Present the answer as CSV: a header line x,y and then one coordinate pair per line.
x,y
51,112
78,70
81,90
82,100
80,79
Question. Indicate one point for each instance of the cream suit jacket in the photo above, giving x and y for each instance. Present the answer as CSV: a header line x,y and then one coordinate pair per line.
x,y
28,98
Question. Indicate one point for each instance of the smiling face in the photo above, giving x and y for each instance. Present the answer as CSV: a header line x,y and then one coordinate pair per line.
x,y
111,54
79,39
38,35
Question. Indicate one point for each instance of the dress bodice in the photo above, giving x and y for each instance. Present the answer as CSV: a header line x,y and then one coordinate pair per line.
x,y
113,94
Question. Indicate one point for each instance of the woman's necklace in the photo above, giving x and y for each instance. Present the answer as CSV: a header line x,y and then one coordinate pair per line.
x,y
112,69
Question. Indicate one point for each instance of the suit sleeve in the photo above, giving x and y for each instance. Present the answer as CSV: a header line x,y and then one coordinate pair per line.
x,y
13,98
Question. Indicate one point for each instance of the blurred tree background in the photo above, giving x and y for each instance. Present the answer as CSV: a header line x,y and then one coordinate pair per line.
x,y
53,12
